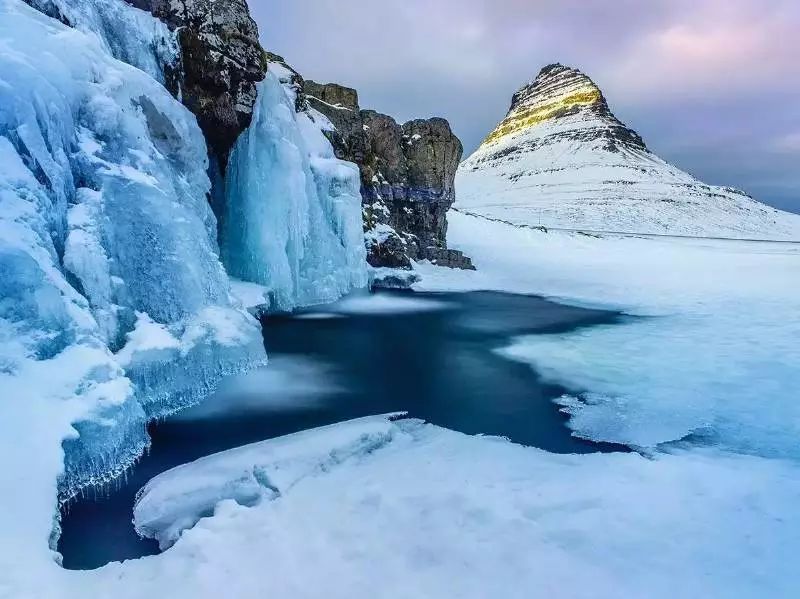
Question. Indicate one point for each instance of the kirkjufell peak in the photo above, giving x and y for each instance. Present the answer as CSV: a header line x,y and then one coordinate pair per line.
x,y
559,92
561,158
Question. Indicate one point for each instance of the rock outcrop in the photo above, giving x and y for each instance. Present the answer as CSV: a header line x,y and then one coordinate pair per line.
x,y
407,177
561,159
221,63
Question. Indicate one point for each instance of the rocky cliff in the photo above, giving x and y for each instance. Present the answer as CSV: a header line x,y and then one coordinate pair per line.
x,y
407,171
221,63
560,158
407,177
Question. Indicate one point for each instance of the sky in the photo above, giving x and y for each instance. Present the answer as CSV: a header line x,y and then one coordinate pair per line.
x,y
712,85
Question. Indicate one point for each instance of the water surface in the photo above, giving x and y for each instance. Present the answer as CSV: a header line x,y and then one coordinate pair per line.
x,y
435,361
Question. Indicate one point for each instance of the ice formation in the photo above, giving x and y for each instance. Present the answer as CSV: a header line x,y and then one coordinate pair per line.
x,y
293,211
127,33
108,243
178,499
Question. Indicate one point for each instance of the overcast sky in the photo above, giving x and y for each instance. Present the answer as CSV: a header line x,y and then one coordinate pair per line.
x,y
711,85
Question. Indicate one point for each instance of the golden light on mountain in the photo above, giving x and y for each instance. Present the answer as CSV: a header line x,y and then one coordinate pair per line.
x,y
530,116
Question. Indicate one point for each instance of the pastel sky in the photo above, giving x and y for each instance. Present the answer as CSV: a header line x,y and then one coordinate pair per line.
x,y
711,85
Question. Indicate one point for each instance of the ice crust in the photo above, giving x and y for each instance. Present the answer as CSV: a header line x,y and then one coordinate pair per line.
x,y
177,499
711,357
293,211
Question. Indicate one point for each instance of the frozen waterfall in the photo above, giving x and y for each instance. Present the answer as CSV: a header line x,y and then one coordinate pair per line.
x,y
293,211
114,305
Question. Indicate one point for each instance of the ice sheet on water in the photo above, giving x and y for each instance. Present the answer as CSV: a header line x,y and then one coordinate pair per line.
x,y
656,380
177,499
293,211
714,357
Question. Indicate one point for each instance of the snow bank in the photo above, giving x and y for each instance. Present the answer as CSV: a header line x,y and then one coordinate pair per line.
x,y
293,211
372,508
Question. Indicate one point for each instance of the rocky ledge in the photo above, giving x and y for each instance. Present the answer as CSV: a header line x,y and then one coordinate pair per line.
x,y
407,177
221,63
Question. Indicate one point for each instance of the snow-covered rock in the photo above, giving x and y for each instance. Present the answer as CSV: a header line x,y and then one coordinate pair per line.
x,y
561,159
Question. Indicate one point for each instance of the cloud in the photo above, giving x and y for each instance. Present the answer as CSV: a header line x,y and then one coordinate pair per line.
x,y
715,50
788,143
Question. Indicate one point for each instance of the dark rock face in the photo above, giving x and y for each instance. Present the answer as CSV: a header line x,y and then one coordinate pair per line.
x,y
222,61
407,176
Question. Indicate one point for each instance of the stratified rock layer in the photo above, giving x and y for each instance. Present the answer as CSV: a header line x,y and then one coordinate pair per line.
x,y
560,158
407,177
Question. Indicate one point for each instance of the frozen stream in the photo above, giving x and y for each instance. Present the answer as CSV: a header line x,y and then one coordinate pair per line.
x,y
428,354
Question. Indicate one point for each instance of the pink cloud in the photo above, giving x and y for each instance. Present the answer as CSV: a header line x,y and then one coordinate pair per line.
x,y
715,50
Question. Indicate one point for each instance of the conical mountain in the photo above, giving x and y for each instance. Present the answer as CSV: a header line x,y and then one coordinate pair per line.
x,y
562,159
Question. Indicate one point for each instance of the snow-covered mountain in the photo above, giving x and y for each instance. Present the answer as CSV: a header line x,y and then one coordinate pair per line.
x,y
560,158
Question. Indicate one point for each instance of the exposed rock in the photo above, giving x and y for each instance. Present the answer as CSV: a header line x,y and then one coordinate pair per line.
x,y
450,258
222,61
559,92
340,105
407,174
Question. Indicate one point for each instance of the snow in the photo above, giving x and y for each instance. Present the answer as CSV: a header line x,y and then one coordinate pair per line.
x,y
713,353
405,509
293,211
249,295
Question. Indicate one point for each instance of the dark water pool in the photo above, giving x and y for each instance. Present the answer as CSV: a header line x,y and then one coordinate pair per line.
x,y
438,365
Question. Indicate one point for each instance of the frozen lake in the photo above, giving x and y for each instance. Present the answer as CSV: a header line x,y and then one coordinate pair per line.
x,y
432,355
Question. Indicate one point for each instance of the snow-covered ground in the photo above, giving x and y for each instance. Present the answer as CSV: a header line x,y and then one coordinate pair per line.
x,y
103,326
375,508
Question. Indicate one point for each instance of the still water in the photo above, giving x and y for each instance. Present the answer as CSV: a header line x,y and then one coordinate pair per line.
x,y
431,355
